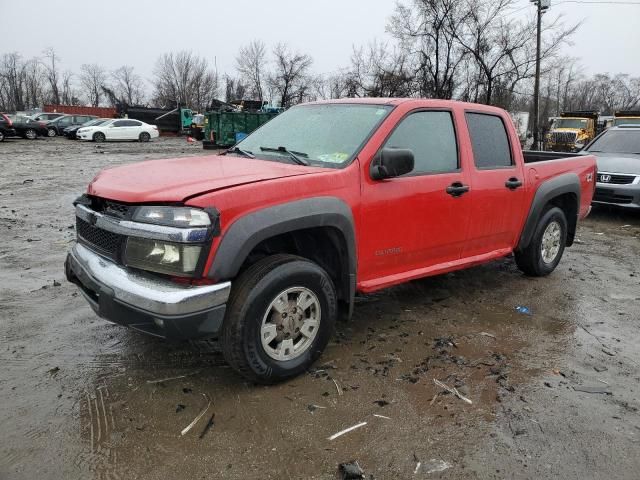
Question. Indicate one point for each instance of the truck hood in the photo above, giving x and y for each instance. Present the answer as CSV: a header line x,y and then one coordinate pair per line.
x,y
618,163
177,179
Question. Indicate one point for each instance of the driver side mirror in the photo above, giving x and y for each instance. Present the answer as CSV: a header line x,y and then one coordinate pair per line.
x,y
391,162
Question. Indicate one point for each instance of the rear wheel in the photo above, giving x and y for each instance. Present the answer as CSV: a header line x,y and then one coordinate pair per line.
x,y
1,136
99,137
51,132
144,137
545,250
30,134
279,318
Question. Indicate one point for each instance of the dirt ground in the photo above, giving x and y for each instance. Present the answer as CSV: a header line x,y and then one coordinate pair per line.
x,y
553,394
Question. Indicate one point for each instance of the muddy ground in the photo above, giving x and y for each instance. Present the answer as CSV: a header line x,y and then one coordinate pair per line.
x,y
82,398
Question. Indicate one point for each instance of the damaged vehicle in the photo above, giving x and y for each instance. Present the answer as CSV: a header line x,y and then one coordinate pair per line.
x,y
266,245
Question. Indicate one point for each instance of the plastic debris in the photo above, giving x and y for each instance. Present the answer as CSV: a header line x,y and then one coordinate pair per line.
x,y
597,389
452,390
523,310
208,426
350,471
186,429
346,430
382,416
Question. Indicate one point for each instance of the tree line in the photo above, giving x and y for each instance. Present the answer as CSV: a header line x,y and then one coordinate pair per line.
x,y
471,50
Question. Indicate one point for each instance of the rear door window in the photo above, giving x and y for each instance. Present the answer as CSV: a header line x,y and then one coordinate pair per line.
x,y
489,141
431,137
120,123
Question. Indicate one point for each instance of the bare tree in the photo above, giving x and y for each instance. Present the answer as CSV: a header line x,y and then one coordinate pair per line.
x,y
67,90
51,66
184,78
250,63
128,85
12,81
427,30
290,79
92,78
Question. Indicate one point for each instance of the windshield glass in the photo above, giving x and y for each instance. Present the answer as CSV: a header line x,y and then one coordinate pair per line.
x,y
571,123
626,121
617,141
327,135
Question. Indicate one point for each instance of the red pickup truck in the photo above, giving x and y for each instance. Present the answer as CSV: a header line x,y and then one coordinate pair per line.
x,y
265,245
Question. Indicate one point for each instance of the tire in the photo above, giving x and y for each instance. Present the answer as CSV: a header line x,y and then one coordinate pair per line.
x,y
144,137
30,134
99,137
253,306
545,250
1,136
51,132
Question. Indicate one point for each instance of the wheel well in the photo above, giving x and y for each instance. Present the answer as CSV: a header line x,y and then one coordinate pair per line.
x,y
568,203
325,246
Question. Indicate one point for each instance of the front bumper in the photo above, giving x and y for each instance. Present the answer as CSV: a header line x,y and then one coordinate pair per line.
x,y
627,196
146,303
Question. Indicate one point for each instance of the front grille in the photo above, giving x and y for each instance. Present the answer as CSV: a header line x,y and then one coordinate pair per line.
x,y
609,196
116,209
616,179
107,243
563,137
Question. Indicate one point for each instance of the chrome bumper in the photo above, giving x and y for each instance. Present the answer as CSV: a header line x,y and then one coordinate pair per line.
x,y
153,296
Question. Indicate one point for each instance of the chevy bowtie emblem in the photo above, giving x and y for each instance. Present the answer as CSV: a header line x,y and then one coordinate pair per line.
x,y
93,219
605,178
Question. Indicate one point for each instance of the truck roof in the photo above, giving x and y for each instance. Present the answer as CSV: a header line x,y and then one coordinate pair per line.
x,y
419,102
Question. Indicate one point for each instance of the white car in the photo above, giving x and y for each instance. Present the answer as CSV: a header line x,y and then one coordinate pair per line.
x,y
119,129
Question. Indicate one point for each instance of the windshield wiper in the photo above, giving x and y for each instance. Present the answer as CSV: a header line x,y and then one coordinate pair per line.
x,y
246,153
295,156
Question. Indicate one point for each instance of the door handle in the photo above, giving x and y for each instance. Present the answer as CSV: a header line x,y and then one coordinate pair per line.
x,y
513,183
457,188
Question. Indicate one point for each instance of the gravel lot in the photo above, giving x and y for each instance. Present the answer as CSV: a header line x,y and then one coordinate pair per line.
x,y
554,394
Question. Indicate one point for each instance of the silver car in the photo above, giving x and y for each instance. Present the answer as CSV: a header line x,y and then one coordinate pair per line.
x,y
617,151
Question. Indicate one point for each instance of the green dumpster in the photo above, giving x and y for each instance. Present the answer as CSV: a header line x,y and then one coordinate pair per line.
x,y
224,129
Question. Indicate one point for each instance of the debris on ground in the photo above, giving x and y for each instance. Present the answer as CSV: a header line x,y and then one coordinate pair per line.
x,y
485,334
186,429
350,471
180,407
452,390
337,386
162,380
382,416
346,430
56,283
54,371
600,368
608,352
523,310
593,389
432,466
441,342
312,407
381,403
207,427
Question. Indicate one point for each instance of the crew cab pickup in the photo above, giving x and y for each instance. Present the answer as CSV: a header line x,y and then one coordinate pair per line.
x,y
265,245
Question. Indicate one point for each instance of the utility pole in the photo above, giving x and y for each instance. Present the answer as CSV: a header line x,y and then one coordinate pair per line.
x,y
541,7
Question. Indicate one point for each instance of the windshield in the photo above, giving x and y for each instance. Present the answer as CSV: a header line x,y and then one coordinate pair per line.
x,y
617,141
327,135
626,121
571,123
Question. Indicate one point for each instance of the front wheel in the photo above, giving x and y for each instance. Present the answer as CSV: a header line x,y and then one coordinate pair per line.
x,y
51,132
1,136
545,250
144,137
99,137
279,318
30,134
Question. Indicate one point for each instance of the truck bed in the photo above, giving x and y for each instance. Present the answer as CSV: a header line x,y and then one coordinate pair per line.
x,y
532,156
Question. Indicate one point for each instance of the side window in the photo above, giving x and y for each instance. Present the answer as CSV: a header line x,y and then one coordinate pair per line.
x,y
431,137
66,120
119,123
134,123
489,141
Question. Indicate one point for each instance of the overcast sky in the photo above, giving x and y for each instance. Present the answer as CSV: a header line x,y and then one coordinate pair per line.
x,y
135,32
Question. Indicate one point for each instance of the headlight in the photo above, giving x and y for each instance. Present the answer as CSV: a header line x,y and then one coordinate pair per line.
x,y
172,216
162,257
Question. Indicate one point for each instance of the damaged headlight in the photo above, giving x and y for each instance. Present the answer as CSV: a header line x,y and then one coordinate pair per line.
x,y
172,216
162,257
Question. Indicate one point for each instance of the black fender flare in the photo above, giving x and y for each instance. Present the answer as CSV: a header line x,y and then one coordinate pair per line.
x,y
249,230
547,191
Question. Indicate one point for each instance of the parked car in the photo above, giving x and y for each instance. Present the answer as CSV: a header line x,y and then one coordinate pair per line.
x,y
57,126
70,132
46,116
617,151
119,129
28,128
6,127
265,245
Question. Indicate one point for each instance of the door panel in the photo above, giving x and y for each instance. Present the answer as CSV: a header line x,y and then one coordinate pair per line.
x,y
411,222
496,209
